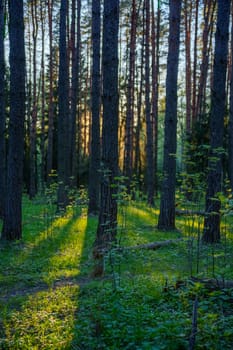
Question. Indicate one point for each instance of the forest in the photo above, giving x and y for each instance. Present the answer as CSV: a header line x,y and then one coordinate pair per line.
x,y
116,174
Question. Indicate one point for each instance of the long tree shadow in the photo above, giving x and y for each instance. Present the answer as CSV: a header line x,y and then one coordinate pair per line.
x,y
40,282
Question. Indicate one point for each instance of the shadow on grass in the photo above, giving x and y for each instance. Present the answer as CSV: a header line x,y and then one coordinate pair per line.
x,y
40,281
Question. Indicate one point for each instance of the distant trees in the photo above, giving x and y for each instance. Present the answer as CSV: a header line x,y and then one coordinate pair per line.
x,y
74,103
12,223
167,203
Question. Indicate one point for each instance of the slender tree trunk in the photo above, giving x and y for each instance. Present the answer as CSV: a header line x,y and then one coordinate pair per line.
x,y
76,8
194,89
231,114
63,121
51,98
42,136
149,130
94,186
107,225
155,85
211,232
128,158
33,136
209,11
188,20
140,80
12,223
2,112
167,203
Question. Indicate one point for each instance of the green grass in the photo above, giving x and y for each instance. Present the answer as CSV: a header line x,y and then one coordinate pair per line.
x,y
48,299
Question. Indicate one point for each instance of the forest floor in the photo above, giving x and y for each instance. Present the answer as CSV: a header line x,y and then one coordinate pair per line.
x,y
147,299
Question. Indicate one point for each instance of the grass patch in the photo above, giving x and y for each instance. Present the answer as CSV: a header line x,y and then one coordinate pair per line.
x,y
49,301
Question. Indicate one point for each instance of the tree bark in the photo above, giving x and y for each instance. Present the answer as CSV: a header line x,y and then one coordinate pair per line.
x,y
33,123
230,130
63,116
107,225
128,156
12,223
211,231
50,147
149,130
94,186
167,203
2,113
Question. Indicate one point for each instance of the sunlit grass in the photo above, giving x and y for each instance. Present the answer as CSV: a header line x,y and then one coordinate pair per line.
x,y
44,303
44,321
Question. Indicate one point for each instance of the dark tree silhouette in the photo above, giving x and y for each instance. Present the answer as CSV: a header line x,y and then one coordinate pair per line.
x,y
107,225
12,223
2,112
211,232
167,203
63,120
149,130
128,154
94,188
231,116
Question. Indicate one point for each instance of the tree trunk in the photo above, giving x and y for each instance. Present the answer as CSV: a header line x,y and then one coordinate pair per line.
x,y
2,112
194,88
42,136
107,225
63,120
209,11
51,98
155,33
74,88
12,223
94,186
211,232
167,203
149,130
128,156
33,124
230,131
188,18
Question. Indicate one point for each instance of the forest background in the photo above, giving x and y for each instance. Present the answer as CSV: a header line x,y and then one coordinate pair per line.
x,y
118,102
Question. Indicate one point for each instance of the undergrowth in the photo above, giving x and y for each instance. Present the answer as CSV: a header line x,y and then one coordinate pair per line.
x,y
48,299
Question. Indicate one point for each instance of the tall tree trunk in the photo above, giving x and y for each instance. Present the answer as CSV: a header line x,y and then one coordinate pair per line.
x,y
188,10
2,112
231,114
12,223
107,225
51,97
155,33
128,156
194,88
63,120
33,136
167,203
149,130
94,186
211,232
42,136
140,81
209,10
76,8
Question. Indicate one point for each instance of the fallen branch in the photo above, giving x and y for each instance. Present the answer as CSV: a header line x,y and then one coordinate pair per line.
x,y
189,212
153,245
214,283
